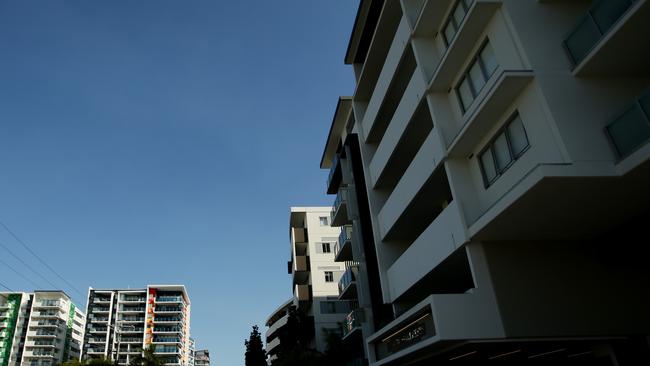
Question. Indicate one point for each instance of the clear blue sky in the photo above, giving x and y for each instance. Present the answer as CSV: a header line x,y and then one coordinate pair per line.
x,y
163,141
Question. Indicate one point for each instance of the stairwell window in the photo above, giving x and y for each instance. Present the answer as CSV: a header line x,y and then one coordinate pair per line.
x,y
327,247
507,146
329,276
479,72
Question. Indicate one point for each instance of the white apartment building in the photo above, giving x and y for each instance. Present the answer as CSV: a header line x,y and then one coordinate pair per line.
x,y
43,328
503,148
315,274
123,322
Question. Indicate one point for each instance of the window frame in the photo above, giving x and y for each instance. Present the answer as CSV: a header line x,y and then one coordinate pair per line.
x,y
451,20
490,146
465,75
320,220
327,245
331,273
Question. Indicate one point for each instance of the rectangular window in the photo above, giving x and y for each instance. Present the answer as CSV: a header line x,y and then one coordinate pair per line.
x,y
327,247
477,75
324,221
455,20
329,276
506,147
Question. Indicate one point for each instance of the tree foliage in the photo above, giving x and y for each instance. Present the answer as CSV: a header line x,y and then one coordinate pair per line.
x,y
90,362
147,358
255,355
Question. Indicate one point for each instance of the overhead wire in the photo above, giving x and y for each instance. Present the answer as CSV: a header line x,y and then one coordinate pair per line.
x,y
27,265
36,286
8,289
70,285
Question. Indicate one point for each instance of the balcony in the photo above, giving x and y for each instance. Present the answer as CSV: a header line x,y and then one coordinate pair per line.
x,y
97,330
45,324
439,240
461,45
164,319
133,299
608,40
170,299
348,283
101,300
47,304
343,248
132,319
631,130
131,340
126,309
340,209
301,264
335,176
99,310
167,350
163,340
302,292
353,322
166,330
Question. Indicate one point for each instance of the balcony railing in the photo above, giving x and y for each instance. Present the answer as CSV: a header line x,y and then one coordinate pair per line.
x,y
133,299
339,209
53,303
353,321
348,279
132,309
335,175
600,18
169,299
631,130
343,248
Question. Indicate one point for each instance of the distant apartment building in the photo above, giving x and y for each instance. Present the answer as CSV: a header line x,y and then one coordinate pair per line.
x,y
315,274
492,172
43,328
122,322
202,357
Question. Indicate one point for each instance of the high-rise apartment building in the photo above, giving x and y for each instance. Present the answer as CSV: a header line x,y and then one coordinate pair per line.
x,y
493,164
123,322
315,274
43,328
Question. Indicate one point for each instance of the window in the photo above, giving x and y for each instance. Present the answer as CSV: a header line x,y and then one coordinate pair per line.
x,y
508,145
455,20
334,307
329,276
324,221
327,247
479,72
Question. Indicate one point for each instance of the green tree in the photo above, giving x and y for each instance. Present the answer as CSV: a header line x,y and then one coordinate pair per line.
x,y
147,358
295,340
255,355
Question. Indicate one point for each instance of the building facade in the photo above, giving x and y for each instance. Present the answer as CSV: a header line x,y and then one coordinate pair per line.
x,y
191,352
275,325
494,155
315,274
43,328
123,322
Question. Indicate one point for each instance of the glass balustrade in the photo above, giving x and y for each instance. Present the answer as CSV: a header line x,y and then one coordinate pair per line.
x,y
631,130
600,18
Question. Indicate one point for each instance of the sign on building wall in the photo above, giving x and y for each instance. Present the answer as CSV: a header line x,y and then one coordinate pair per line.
x,y
68,333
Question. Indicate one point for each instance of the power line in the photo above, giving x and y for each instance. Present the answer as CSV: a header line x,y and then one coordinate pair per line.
x,y
28,266
8,289
39,258
36,286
